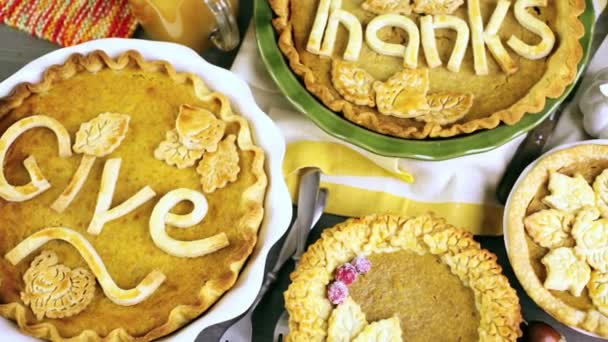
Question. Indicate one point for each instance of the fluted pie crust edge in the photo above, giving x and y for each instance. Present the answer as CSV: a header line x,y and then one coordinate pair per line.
x,y
517,247
307,303
253,196
561,71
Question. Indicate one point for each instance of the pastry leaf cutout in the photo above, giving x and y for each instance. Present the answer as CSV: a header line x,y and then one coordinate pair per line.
x,y
174,153
404,94
220,167
566,271
101,135
388,330
387,6
446,108
353,83
346,321
198,128
569,194
591,238
550,228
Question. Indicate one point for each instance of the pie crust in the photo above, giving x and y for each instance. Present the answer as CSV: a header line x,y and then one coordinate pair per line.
x,y
584,311
310,309
560,68
167,308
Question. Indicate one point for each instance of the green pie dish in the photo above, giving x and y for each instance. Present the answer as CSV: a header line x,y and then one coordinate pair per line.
x,y
428,149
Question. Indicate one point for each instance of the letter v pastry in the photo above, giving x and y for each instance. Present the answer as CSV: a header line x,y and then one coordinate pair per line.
x,y
103,213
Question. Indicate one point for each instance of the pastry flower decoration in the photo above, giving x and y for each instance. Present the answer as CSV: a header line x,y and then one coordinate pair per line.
x,y
591,238
569,194
387,6
566,271
220,167
54,290
96,138
353,83
197,131
550,228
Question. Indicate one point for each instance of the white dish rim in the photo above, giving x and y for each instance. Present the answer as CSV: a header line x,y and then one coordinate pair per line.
x,y
278,209
508,203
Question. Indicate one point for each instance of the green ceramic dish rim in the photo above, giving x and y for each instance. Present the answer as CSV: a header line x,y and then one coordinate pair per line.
x,y
429,149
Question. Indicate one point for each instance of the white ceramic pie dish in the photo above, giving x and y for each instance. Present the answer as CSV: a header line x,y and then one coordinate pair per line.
x,y
519,180
278,210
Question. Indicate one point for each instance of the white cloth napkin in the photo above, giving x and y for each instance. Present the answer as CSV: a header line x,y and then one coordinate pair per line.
x,y
469,179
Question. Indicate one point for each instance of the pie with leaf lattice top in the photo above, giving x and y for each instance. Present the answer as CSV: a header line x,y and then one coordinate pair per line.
x,y
390,278
557,235
432,68
130,194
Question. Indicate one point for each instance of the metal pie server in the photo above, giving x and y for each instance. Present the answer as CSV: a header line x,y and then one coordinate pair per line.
x,y
311,203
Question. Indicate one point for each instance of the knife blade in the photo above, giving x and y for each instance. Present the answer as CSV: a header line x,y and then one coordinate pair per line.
x,y
527,152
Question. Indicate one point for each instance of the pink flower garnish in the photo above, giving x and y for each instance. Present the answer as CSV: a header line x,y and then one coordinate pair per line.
x,y
362,264
337,292
346,273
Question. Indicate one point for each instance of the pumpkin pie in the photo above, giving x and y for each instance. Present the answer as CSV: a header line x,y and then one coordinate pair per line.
x,y
557,235
389,278
130,195
432,68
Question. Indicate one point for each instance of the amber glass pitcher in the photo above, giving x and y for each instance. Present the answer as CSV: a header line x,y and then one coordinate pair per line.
x,y
194,23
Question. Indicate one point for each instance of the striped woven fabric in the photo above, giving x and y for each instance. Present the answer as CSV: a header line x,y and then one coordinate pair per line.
x,y
69,22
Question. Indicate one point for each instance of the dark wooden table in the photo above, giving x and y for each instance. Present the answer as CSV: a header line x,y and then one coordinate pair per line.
x,y
18,48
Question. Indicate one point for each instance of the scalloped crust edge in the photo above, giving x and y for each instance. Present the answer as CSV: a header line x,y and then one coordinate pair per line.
x,y
253,196
517,247
306,301
561,71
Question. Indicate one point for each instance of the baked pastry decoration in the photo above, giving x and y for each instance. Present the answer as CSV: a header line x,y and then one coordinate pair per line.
x,y
550,228
436,6
363,281
131,224
387,6
569,194
566,271
174,153
557,239
382,40
54,290
353,83
196,130
38,184
143,290
404,94
96,138
220,167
